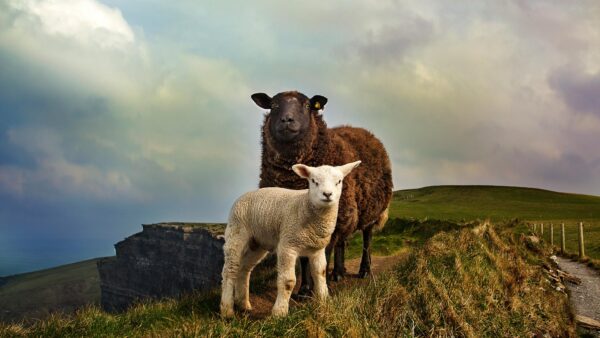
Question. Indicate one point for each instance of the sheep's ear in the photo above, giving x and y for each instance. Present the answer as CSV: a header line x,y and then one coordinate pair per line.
x,y
302,170
262,100
317,102
347,168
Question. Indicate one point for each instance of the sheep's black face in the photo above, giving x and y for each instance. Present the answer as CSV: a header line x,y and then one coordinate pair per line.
x,y
289,119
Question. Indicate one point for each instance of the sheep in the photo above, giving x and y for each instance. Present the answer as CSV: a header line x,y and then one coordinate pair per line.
x,y
289,222
295,132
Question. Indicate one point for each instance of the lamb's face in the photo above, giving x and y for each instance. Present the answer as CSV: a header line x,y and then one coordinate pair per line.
x,y
324,182
290,115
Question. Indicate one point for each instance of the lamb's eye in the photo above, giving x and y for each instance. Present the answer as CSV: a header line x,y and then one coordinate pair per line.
x,y
314,182
340,181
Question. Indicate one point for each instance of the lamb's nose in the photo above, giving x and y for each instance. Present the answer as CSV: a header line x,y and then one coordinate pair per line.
x,y
327,194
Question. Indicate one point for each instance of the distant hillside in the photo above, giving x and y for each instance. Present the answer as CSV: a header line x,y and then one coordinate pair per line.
x,y
493,202
35,294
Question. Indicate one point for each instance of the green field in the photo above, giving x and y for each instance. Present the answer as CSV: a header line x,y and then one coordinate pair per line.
x,y
494,202
505,203
35,294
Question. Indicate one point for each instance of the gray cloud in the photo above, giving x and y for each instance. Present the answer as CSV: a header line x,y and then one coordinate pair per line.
x,y
391,42
578,89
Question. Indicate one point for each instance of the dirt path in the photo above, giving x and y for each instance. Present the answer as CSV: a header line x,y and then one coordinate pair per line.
x,y
262,303
585,297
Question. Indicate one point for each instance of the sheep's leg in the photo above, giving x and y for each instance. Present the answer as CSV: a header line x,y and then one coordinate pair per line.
x,y
329,248
318,268
234,237
338,262
365,262
286,280
247,263
306,284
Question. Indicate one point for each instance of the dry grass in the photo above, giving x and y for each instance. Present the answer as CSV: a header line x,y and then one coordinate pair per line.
x,y
459,283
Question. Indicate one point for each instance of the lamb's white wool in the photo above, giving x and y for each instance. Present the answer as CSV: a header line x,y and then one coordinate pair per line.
x,y
290,222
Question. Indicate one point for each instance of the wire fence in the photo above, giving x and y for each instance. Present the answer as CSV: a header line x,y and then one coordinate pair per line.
x,y
557,236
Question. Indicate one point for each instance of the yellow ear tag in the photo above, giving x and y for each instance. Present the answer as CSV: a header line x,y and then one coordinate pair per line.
x,y
318,105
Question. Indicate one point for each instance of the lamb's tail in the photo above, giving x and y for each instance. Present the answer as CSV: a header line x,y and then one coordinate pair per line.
x,y
381,220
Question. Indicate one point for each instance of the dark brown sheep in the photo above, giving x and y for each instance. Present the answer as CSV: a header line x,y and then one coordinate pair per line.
x,y
294,132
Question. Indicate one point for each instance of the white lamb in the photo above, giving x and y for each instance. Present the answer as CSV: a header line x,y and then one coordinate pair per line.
x,y
291,222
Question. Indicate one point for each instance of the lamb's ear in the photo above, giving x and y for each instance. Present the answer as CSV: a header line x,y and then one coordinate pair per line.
x,y
302,170
347,168
262,100
317,102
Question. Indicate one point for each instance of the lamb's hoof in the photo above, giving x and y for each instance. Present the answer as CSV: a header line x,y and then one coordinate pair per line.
x,y
227,312
280,312
364,273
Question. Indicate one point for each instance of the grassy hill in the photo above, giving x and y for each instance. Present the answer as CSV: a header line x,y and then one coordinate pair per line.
x,y
494,202
499,203
36,294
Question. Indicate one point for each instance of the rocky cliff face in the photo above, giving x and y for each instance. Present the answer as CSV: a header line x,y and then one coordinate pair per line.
x,y
164,260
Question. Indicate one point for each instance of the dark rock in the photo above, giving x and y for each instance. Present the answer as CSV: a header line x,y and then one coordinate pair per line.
x,y
164,260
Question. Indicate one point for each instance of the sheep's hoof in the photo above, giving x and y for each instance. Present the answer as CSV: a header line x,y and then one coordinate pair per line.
x,y
364,273
336,276
303,293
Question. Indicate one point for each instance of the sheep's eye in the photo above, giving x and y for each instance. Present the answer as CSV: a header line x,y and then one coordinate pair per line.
x,y
314,182
340,181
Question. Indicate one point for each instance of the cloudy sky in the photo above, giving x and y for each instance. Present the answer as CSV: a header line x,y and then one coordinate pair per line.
x,y
117,113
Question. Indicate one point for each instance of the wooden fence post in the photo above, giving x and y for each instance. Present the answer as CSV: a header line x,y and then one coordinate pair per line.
x,y
534,229
562,238
542,231
551,234
581,243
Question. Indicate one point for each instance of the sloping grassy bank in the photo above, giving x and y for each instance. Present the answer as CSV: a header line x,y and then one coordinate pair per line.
x,y
63,288
505,203
461,282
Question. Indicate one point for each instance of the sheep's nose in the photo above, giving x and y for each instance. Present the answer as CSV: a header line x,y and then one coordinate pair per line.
x,y
327,194
287,118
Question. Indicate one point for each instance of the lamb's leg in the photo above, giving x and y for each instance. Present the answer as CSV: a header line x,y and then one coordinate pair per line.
x,y
339,269
234,237
286,280
248,261
318,268
306,283
365,262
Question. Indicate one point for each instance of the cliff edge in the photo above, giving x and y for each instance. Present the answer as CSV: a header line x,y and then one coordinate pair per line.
x,y
164,260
